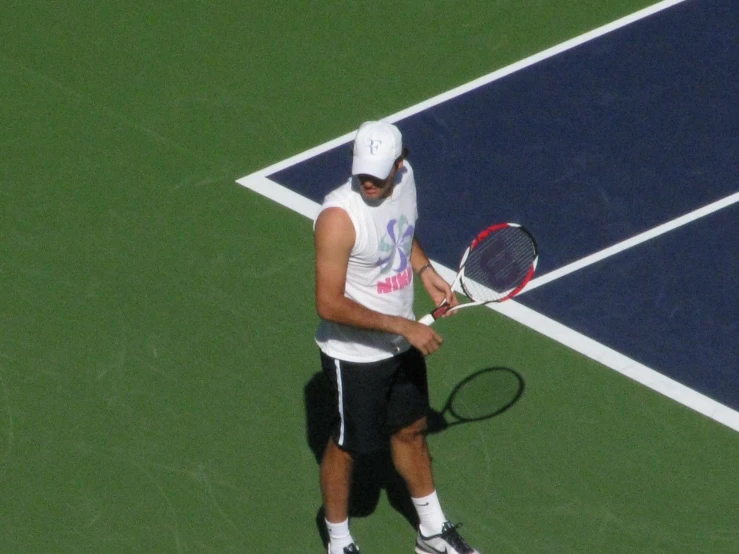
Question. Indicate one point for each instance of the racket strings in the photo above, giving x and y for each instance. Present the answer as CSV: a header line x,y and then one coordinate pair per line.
x,y
499,264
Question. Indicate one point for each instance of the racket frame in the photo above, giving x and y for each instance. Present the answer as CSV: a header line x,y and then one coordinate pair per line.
x,y
444,308
458,283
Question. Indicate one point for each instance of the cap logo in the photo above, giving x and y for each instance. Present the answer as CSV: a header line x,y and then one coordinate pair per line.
x,y
374,145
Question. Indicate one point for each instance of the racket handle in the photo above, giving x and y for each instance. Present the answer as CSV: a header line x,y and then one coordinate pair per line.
x,y
428,319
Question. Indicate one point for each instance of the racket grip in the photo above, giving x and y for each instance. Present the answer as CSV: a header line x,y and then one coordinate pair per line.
x,y
400,342
428,319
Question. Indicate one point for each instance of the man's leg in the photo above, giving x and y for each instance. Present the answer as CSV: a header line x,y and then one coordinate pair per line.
x,y
412,459
409,403
336,476
361,392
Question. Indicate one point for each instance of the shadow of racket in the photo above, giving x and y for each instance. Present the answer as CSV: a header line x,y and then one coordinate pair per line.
x,y
482,395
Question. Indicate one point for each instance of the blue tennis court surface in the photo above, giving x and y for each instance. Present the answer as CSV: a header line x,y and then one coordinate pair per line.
x,y
589,148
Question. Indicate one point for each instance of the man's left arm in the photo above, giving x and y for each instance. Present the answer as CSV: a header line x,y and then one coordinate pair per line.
x,y
439,290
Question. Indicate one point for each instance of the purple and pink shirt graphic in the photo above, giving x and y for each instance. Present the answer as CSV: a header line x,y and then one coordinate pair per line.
x,y
395,248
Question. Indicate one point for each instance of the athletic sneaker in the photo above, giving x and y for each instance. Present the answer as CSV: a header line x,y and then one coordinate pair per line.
x,y
351,549
446,542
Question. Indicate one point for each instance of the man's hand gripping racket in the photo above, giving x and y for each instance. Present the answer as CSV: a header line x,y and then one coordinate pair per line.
x,y
497,266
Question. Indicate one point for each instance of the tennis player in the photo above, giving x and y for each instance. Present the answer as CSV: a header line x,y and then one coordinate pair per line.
x,y
366,258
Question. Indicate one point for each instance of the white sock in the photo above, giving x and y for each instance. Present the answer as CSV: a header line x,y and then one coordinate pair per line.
x,y
339,536
430,514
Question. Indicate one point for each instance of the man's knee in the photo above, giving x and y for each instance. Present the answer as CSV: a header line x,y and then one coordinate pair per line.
x,y
335,457
415,432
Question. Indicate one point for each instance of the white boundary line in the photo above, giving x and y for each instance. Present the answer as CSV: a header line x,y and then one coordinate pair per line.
x,y
611,358
606,356
281,195
477,83
633,241
622,364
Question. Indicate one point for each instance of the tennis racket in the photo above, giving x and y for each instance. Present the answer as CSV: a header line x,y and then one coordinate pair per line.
x,y
497,266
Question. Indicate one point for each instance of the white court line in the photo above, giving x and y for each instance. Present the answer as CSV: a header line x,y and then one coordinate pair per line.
x,y
621,364
611,359
281,195
633,241
578,342
477,83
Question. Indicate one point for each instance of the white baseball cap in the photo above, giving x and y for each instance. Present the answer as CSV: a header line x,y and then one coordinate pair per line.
x,y
376,147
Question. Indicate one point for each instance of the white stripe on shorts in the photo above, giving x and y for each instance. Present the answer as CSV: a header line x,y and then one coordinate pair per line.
x,y
341,401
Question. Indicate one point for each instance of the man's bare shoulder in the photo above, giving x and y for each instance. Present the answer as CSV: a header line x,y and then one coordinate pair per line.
x,y
334,227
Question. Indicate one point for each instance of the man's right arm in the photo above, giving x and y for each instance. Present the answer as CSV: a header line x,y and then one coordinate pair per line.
x,y
334,238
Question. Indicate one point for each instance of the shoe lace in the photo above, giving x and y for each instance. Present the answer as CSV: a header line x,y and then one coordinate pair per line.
x,y
351,549
449,534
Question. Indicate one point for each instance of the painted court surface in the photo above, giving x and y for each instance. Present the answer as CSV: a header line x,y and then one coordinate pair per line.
x,y
159,386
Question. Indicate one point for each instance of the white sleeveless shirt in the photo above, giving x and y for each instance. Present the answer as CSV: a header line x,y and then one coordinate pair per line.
x,y
379,275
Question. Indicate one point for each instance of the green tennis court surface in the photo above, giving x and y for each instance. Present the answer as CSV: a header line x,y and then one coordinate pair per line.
x,y
157,367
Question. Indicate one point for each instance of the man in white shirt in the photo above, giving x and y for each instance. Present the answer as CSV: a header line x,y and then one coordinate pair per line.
x,y
366,257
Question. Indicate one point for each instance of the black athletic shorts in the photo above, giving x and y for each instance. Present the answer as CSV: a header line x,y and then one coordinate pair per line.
x,y
373,400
